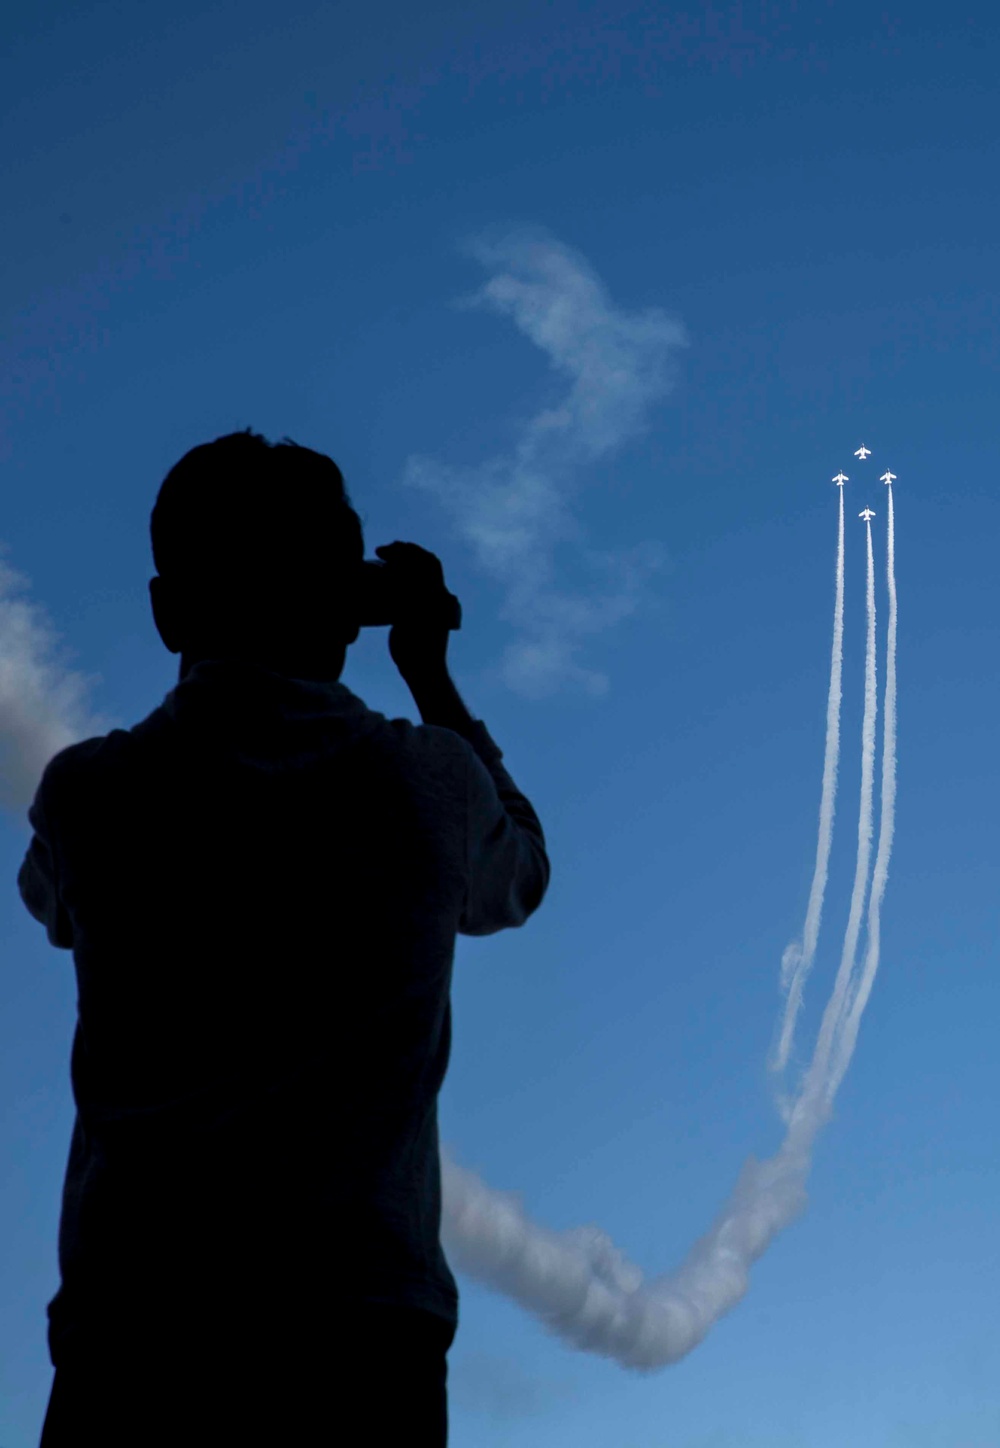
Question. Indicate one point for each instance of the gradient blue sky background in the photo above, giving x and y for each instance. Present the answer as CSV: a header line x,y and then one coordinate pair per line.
x,y
219,216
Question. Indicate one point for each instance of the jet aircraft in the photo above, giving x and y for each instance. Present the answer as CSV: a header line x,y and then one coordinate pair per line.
x,y
840,479
887,478
862,452
867,514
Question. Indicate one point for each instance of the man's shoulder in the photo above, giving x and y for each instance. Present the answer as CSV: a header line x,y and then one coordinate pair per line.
x,y
431,746
76,758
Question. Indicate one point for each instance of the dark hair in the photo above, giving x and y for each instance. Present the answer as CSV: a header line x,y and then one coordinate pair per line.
x,y
243,508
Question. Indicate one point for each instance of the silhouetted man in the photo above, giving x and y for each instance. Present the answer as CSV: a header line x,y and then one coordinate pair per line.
x,y
261,883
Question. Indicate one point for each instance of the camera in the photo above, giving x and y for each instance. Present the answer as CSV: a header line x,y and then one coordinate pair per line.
x,y
382,600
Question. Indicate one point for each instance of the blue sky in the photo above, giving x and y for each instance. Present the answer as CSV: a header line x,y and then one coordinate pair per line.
x,y
223,216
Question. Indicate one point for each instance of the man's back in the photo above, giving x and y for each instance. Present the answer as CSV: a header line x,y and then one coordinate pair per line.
x,y
262,883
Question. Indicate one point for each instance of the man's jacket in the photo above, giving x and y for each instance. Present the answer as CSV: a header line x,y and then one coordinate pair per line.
x,y
261,884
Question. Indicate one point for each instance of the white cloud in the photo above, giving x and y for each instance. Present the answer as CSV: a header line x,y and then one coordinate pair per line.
x,y
513,509
41,700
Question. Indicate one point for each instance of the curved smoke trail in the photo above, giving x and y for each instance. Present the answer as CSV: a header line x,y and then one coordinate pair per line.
x,y
576,1282
815,1082
580,1286
887,823
796,962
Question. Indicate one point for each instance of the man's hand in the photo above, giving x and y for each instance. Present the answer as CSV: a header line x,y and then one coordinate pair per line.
x,y
418,644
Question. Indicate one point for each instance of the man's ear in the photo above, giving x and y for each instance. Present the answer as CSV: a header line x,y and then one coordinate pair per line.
x,y
162,614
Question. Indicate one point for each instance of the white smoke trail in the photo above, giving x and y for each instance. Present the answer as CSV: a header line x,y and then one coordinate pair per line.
x,y
796,962
814,1090
578,1283
849,1033
585,1291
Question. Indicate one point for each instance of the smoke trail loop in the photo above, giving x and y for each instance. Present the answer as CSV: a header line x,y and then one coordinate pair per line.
x,y
577,1283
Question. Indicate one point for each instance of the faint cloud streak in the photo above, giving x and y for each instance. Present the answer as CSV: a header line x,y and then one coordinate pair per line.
x,y
513,509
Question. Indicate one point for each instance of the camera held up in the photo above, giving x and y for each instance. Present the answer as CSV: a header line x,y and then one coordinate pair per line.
x,y
407,587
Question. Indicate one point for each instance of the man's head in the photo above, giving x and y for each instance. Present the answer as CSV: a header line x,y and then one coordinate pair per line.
x,y
256,547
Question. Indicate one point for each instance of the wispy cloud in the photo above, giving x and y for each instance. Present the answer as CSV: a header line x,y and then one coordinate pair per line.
x,y
513,509
42,707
